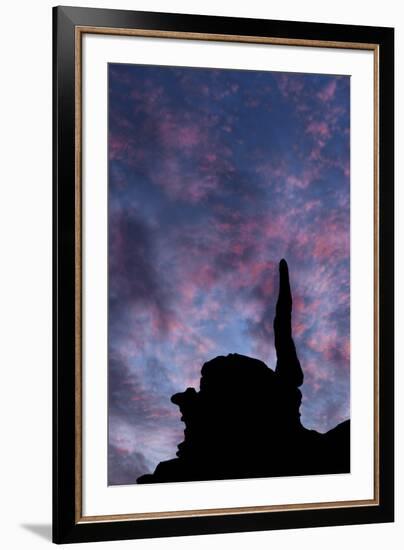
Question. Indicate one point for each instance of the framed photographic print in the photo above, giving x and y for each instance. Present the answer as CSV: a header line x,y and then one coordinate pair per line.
x,y
223,274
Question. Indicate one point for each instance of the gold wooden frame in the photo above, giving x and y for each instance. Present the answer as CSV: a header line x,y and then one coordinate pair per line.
x,y
79,32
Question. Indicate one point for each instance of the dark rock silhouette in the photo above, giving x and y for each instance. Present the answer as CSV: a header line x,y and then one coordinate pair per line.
x,y
245,422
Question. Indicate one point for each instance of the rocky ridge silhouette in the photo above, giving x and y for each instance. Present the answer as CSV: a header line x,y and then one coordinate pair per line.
x,y
244,421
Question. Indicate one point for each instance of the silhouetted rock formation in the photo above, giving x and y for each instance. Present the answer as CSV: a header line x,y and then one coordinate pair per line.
x,y
245,422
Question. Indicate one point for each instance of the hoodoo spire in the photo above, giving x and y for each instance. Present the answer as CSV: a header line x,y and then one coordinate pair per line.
x,y
287,365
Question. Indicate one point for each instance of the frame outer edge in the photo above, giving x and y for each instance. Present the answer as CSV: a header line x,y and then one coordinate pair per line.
x,y
65,527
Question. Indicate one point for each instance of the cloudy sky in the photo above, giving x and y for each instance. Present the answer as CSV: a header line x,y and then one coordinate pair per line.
x,y
214,176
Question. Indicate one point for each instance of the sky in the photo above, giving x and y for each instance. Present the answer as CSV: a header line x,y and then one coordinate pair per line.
x,y
214,176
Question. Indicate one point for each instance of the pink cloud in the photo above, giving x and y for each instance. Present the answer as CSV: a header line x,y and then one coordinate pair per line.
x,y
289,84
328,92
318,129
175,133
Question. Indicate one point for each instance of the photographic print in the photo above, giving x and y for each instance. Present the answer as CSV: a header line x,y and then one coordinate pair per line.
x,y
228,274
